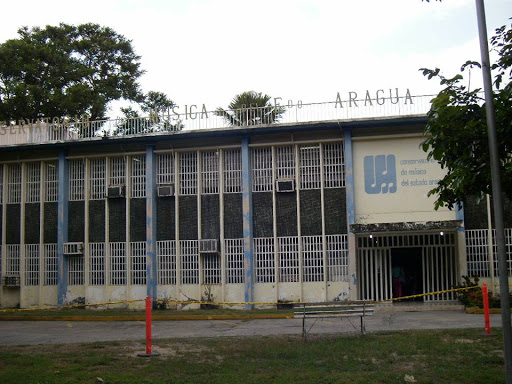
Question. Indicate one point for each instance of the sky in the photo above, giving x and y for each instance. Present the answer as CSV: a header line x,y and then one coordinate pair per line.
x,y
207,51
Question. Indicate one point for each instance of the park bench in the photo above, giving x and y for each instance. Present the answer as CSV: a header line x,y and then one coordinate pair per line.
x,y
333,309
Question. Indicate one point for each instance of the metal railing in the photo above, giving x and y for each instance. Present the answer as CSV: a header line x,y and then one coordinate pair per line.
x,y
45,131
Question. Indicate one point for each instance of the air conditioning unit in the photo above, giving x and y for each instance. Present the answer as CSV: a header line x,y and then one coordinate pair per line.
x,y
11,281
285,185
209,246
165,190
115,191
75,248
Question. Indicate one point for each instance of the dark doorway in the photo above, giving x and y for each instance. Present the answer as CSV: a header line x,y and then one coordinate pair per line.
x,y
407,273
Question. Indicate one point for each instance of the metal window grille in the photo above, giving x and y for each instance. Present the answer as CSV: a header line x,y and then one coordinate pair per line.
x,y
477,251
211,268
189,262
261,169
97,263
76,270
1,183
210,172
166,251
188,173
334,165
288,255
313,258
76,180
285,166
232,171
138,263
33,182
97,178
235,271
50,264
12,260
265,260
138,176
31,264
310,172
117,171
337,258
118,263
165,170
51,193
14,184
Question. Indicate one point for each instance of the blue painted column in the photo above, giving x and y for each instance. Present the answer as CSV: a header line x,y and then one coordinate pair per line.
x,y
62,228
351,212
247,222
151,253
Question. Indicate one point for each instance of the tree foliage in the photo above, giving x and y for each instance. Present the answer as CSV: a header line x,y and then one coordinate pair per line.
x,y
457,130
251,108
66,70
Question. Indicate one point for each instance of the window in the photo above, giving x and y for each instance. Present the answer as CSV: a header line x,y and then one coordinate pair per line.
x,y
12,260
285,166
288,254
117,263
235,272
333,165
337,258
166,251
76,180
31,264
14,184
76,271
117,171
211,268
232,171
138,262
33,182
210,172
97,263
262,169
265,261
50,264
138,176
165,170
51,193
313,258
189,262
97,178
188,173
310,167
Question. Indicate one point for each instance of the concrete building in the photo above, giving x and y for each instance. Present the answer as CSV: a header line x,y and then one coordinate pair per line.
x,y
309,209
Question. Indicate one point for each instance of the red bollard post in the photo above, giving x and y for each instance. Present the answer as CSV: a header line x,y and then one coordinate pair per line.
x,y
486,309
149,351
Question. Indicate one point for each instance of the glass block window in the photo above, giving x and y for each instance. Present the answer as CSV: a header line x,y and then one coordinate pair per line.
x,y
285,166
97,176
334,175
313,259
310,172
14,184
337,258
262,169
165,168
189,262
76,270
76,180
288,255
97,263
51,193
117,263
138,263
265,261
50,264
31,264
138,176
33,182
235,271
232,171
188,173
209,172
117,171
166,251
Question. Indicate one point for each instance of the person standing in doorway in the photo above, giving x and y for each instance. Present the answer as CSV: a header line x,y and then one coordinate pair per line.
x,y
398,280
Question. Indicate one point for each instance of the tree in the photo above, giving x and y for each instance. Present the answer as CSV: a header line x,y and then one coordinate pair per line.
x,y
457,133
157,107
251,108
66,70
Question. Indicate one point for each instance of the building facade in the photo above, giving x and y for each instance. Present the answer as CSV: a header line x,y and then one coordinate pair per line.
x,y
313,212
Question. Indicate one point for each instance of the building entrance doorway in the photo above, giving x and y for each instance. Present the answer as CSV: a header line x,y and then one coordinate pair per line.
x,y
407,272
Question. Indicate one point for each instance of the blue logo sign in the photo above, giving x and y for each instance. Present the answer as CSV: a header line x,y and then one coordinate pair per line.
x,y
379,174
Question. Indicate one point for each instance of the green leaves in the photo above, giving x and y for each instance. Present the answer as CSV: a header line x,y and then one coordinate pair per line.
x,y
66,70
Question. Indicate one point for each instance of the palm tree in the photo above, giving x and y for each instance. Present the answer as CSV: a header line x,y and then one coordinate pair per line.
x,y
251,108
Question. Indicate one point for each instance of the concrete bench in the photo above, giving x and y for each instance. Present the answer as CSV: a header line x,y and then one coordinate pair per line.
x,y
332,310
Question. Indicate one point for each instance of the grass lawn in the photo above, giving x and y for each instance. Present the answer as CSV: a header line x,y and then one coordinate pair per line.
x,y
447,356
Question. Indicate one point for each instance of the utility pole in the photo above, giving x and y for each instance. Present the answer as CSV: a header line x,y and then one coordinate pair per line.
x,y
496,190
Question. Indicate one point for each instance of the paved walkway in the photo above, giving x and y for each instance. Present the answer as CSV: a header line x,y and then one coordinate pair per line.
x,y
62,332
